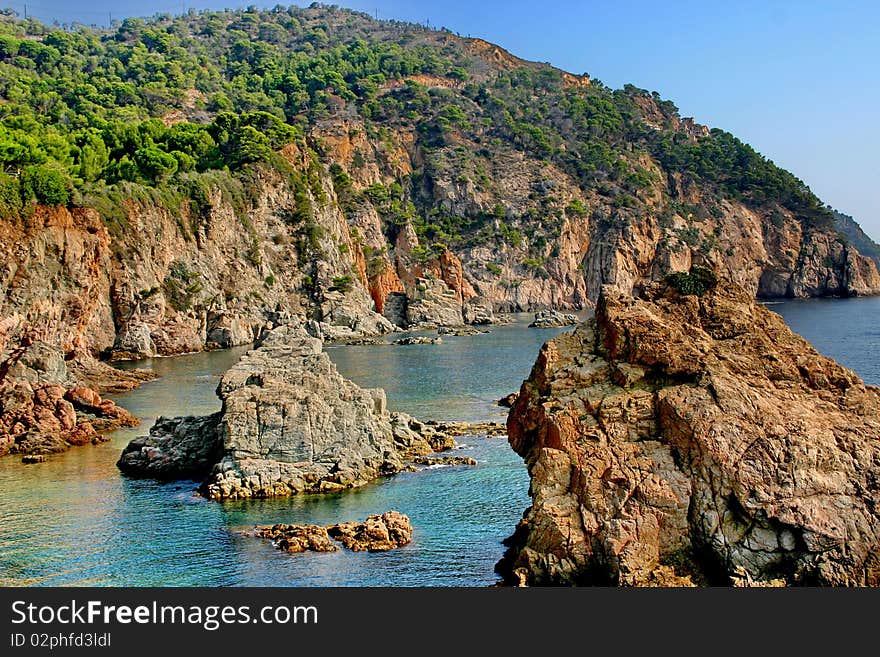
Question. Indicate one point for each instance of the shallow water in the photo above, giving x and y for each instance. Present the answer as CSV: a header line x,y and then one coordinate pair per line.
x,y
76,520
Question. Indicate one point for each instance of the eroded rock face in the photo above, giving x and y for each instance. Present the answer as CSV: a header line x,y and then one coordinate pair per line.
x,y
289,423
175,448
699,438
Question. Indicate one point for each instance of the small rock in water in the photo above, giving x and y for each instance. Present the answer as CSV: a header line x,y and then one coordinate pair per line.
x,y
33,458
378,533
360,342
553,319
417,340
460,331
451,429
297,538
444,460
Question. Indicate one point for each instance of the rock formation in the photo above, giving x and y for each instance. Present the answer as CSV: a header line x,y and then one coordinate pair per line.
x,y
375,534
175,448
417,339
378,533
694,439
289,423
46,408
553,319
296,538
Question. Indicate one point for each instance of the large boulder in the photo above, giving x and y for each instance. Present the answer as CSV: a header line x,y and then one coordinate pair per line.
x,y
175,448
694,439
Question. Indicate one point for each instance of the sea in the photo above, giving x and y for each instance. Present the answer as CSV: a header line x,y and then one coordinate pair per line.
x,y
76,521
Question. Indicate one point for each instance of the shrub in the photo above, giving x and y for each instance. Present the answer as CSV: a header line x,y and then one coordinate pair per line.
x,y
47,184
342,283
698,281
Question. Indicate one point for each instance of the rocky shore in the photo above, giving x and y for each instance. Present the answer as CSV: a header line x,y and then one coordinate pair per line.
x,y
48,407
694,439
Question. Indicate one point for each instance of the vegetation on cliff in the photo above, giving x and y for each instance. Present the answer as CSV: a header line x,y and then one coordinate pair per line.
x,y
157,103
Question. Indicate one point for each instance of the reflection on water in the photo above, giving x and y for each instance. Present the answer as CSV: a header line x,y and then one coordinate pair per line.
x,y
75,520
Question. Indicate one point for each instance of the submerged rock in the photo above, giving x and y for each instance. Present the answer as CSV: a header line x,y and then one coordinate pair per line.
x,y
418,339
553,319
694,436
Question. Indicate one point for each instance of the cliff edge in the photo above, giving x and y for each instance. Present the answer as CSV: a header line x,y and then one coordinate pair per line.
x,y
694,439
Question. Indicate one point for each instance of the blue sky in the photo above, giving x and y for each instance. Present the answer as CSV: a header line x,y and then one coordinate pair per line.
x,y
799,80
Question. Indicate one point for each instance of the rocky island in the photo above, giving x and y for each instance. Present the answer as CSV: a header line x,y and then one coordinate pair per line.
x,y
687,436
289,423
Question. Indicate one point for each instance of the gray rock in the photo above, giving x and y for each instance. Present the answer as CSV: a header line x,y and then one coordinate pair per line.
x,y
134,341
417,339
39,363
553,319
433,303
176,447
395,308
289,423
478,311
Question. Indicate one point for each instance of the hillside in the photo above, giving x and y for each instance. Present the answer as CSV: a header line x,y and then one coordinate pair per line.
x,y
183,183
850,229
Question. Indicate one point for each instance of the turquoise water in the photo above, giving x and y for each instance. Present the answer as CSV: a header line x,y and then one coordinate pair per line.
x,y
76,521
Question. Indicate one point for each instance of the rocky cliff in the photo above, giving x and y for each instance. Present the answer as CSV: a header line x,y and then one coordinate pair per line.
x,y
686,438
289,423
438,181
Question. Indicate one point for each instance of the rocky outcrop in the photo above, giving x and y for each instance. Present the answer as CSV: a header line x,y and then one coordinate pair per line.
x,y
296,538
439,461
432,303
694,439
378,533
289,423
46,408
175,448
553,319
417,339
